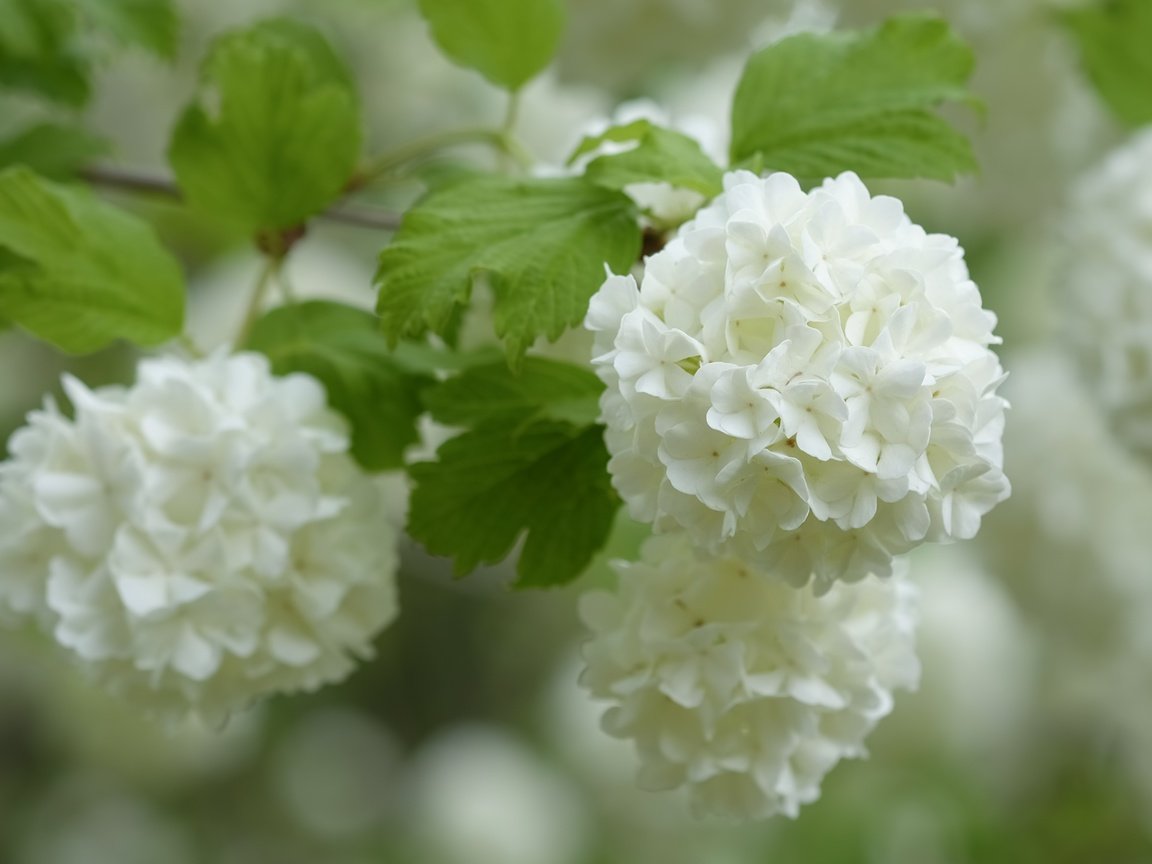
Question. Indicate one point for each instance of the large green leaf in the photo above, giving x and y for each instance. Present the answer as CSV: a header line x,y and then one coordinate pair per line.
x,y
544,480
81,273
344,348
542,245
275,135
1115,39
52,150
507,41
816,105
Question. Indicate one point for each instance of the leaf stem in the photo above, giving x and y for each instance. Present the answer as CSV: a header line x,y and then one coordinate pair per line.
x,y
509,144
511,114
387,163
186,342
268,272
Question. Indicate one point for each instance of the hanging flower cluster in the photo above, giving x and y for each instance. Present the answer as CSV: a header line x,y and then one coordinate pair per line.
x,y
802,381
199,539
739,686
1107,288
800,389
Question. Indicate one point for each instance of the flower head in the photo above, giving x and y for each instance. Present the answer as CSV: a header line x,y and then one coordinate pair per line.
x,y
1107,282
802,380
199,539
739,686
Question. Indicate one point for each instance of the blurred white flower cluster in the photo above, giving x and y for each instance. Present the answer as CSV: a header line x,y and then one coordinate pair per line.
x,y
1107,286
802,381
739,686
1073,547
199,539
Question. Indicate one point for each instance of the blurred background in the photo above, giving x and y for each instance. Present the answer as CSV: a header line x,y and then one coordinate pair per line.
x,y
467,740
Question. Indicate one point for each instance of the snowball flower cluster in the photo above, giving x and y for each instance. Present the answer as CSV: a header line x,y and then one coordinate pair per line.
x,y
803,381
739,686
199,539
1107,288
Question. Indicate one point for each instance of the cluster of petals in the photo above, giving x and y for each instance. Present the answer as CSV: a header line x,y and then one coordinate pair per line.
x,y
199,539
1107,288
738,686
803,381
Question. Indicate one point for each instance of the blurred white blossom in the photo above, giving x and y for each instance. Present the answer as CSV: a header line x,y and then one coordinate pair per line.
x,y
83,821
479,796
1073,545
1107,288
199,539
968,625
337,773
739,686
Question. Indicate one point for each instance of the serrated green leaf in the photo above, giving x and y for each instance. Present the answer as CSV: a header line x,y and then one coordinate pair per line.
x,y
275,134
539,388
659,156
52,150
88,272
492,484
816,105
39,53
344,348
509,42
151,24
541,243
1114,39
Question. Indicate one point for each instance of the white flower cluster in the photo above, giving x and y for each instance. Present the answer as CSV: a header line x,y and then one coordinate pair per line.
x,y
739,686
199,539
1107,287
802,381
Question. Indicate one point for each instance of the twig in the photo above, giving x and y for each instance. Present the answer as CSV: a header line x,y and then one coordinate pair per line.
x,y
364,217
131,181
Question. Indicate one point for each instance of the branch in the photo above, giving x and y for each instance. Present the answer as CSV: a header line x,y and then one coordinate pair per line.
x,y
364,217
130,181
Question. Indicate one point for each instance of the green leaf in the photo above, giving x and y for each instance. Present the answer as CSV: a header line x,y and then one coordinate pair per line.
x,y
532,460
541,244
659,156
52,150
1114,39
344,348
539,388
39,52
275,134
816,105
496,482
507,41
151,24
87,272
